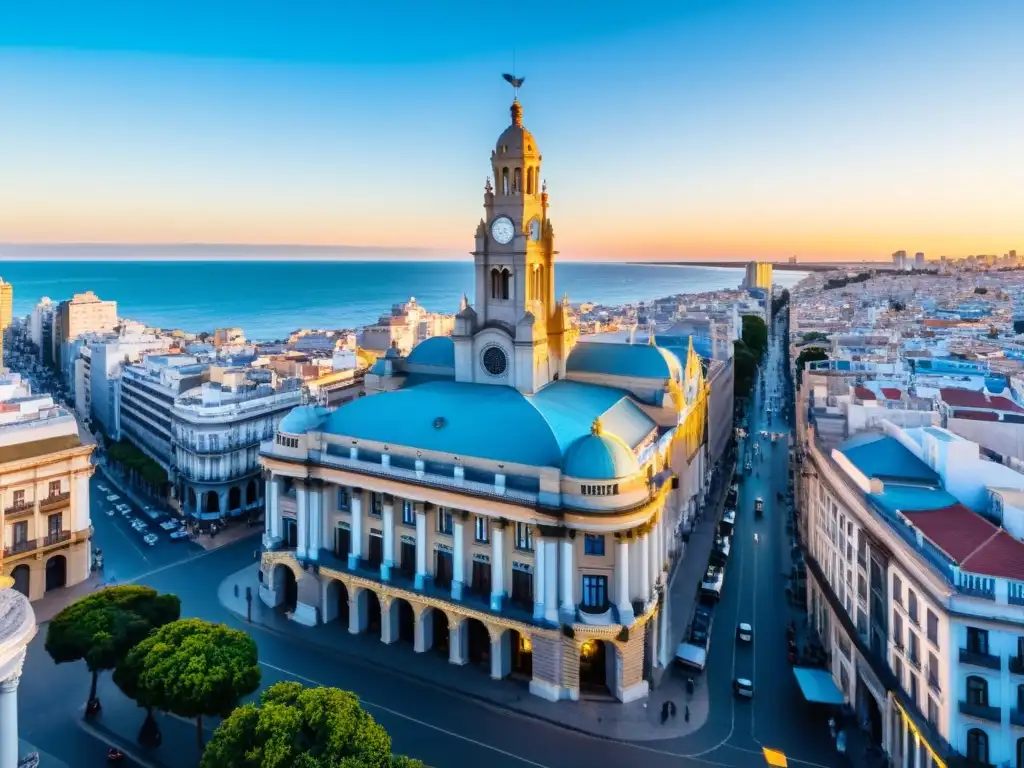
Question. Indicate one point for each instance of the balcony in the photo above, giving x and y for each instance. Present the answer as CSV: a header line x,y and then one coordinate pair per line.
x,y
55,501
56,538
53,540
980,711
19,510
1017,716
20,547
1017,665
986,660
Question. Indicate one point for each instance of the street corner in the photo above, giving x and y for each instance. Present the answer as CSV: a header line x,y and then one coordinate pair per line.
x,y
231,593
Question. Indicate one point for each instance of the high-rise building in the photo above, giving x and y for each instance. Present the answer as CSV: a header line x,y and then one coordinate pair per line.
x,y
6,304
899,261
759,274
918,260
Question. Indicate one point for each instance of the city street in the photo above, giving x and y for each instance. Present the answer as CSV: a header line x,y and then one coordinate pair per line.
x,y
441,726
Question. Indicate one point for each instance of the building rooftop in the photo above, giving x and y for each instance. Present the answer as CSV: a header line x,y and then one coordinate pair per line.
x,y
635,360
34,448
971,541
884,458
969,398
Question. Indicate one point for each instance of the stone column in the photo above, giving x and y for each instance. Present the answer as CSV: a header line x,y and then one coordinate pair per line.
x,y
497,567
314,502
644,567
222,497
551,581
622,601
273,513
538,578
501,654
654,544
9,752
634,567
389,538
421,549
356,530
458,644
916,761
568,580
302,517
458,554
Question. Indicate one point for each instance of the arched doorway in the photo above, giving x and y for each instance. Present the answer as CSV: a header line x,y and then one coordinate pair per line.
x,y
594,667
234,498
442,632
212,503
22,576
250,493
479,643
286,587
336,602
372,612
193,504
56,572
406,621
522,654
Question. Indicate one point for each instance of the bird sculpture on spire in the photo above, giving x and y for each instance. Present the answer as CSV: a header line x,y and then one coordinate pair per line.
x,y
515,82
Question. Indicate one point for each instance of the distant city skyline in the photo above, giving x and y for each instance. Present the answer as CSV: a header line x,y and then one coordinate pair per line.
x,y
719,131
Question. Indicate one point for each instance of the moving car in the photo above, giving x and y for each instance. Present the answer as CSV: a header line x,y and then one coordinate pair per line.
x,y
758,506
743,687
169,525
745,632
123,508
700,627
113,497
151,539
102,488
691,656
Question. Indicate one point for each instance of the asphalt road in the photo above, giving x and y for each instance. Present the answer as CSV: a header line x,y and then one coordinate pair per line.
x,y
446,729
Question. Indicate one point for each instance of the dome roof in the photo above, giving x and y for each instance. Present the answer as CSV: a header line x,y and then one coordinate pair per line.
x,y
614,359
599,456
438,351
303,419
515,141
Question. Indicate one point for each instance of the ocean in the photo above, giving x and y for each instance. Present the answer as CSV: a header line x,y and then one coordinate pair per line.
x,y
269,299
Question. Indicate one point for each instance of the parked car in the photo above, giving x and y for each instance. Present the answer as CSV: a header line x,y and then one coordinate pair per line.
x,y
109,511
113,497
127,514
102,488
179,535
169,525
151,539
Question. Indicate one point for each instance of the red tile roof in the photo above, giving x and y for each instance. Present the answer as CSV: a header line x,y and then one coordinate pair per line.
x,y
864,393
892,393
969,398
975,544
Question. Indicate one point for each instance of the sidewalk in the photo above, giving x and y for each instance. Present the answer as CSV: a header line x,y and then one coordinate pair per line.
x,y
53,603
636,721
46,760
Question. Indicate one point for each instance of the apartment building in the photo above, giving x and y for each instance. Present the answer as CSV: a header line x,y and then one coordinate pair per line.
x,y
914,586
44,492
83,313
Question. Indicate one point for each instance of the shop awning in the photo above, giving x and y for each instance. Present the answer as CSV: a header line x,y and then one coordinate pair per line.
x,y
818,686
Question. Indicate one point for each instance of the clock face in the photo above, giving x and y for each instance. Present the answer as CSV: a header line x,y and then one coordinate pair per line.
x,y
502,230
535,229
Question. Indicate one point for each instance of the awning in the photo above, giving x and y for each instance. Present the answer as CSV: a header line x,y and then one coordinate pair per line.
x,y
818,686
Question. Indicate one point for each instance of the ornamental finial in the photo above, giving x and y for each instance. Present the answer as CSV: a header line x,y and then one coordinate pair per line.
x,y
596,428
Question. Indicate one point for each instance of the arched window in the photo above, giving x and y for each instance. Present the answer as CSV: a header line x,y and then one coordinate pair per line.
x,y
517,181
529,181
504,181
495,283
977,746
505,275
977,691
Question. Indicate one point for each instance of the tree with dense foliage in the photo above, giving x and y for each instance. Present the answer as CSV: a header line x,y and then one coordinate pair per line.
x,y
295,726
808,355
755,335
814,336
744,369
193,668
102,628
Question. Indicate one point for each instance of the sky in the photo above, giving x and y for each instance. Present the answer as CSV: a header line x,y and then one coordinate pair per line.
x,y
689,129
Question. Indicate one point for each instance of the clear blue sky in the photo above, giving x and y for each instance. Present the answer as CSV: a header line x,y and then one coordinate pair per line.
x,y
685,129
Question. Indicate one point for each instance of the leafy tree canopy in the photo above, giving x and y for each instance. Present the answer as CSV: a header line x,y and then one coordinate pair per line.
x,y
193,668
808,355
304,727
102,627
755,335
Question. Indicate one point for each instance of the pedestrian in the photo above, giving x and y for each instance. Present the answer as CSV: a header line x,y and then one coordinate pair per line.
x,y
686,714
664,712
672,709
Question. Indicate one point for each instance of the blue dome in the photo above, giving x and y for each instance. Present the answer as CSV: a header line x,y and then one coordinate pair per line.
x,y
599,457
614,359
437,351
303,419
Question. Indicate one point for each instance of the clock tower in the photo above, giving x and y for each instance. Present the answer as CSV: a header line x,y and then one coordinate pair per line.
x,y
515,334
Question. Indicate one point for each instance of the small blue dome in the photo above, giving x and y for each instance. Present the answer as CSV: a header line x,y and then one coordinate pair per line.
x,y
303,419
437,351
599,456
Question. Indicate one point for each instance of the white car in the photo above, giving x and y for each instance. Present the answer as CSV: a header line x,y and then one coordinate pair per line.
x,y
109,511
745,632
151,539
179,534
126,513
113,497
102,488
743,687
169,525
123,508
139,525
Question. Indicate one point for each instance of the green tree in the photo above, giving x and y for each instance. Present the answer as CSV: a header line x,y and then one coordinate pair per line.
x,y
101,628
755,335
744,369
304,727
193,668
808,355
